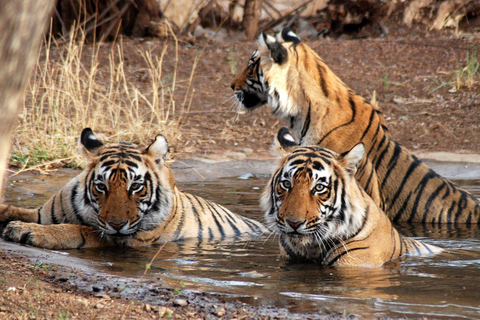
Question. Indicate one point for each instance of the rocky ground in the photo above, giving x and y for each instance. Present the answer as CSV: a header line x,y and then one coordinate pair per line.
x,y
412,73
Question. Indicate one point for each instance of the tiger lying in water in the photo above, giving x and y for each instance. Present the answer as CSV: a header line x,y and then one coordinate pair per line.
x,y
323,110
125,196
323,215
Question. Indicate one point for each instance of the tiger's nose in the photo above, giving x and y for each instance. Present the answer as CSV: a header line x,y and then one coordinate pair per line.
x,y
117,225
294,223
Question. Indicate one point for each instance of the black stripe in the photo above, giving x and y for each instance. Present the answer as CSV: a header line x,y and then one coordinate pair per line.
x,y
369,125
306,123
411,169
253,225
376,150
230,219
321,72
392,163
354,111
374,146
196,214
419,194
74,208
181,222
82,244
378,160
39,216
430,199
215,215
52,211
64,213
25,238
332,262
462,204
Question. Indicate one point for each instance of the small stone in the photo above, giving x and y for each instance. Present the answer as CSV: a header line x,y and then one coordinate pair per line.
x,y
180,302
161,311
83,302
100,305
221,312
164,312
148,307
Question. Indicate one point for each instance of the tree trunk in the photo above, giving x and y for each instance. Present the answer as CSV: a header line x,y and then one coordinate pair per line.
x,y
22,25
251,16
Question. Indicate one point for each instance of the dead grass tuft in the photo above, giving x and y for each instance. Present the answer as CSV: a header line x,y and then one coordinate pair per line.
x,y
65,95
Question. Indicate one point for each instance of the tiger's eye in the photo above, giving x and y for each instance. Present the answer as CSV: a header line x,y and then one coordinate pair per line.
x,y
285,184
101,187
319,188
136,186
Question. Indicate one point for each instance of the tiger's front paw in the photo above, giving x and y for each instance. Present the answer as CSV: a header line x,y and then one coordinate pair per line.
x,y
28,233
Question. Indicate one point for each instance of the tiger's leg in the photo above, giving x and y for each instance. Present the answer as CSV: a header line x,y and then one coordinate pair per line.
x,y
57,236
9,213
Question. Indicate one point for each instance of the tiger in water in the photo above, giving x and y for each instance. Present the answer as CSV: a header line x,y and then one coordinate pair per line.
x,y
322,215
125,196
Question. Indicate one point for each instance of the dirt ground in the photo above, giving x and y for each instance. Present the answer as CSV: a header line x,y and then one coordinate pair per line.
x,y
412,74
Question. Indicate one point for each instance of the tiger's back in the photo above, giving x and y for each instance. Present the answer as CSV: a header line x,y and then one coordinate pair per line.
x,y
125,196
322,110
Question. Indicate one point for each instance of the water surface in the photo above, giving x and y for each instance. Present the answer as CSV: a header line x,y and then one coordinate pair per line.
x,y
444,286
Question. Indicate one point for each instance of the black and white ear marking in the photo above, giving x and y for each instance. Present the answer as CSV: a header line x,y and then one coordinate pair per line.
x,y
353,157
285,139
284,142
158,149
278,53
89,140
290,36
267,39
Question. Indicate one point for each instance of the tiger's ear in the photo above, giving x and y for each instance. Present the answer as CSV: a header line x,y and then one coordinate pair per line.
x,y
284,142
278,53
289,36
89,144
350,159
158,149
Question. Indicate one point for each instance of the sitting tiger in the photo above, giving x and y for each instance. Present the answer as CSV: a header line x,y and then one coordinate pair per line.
x,y
322,215
322,110
126,196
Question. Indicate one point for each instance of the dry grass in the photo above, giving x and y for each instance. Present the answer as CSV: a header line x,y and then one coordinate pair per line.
x,y
71,92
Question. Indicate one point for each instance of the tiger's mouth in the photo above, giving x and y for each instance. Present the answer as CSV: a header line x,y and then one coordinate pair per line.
x,y
251,100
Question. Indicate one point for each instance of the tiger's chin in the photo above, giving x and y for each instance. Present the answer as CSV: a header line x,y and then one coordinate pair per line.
x,y
301,247
251,100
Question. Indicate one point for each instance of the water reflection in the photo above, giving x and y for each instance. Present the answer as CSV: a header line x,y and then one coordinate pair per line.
x,y
444,286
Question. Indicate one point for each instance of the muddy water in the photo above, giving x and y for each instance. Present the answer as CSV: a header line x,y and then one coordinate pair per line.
x,y
445,286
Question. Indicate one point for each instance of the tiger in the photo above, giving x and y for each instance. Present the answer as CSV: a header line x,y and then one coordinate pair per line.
x,y
126,196
322,215
322,110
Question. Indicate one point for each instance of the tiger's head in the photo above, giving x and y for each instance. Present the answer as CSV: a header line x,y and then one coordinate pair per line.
x,y
249,85
288,74
313,200
128,188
